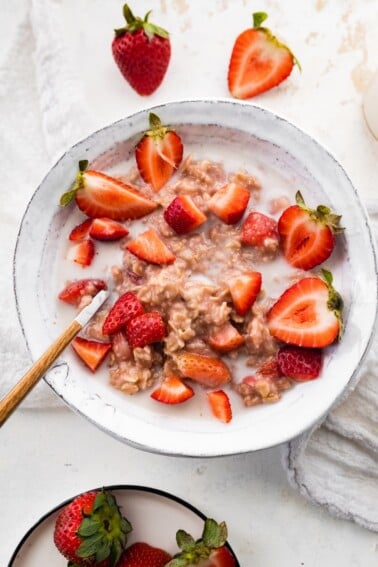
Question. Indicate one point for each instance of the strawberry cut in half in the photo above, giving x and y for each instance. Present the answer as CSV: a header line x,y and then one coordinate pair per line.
x,y
92,353
300,364
259,61
76,290
125,308
225,338
308,314
141,554
159,153
229,203
99,195
107,229
308,235
206,370
209,550
80,232
183,215
145,329
172,391
258,230
82,253
244,289
149,247
220,405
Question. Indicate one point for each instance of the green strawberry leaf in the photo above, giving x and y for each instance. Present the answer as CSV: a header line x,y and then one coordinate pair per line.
x,y
185,541
214,535
67,198
88,527
89,546
103,551
83,164
259,18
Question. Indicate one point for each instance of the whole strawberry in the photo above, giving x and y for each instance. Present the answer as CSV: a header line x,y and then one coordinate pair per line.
x,y
90,530
142,52
142,554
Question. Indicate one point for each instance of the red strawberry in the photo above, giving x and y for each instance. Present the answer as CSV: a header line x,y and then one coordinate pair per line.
x,y
307,235
92,353
107,229
244,290
99,195
145,329
208,551
308,314
183,215
257,229
225,338
81,231
172,391
298,363
83,253
220,405
148,246
207,370
125,308
74,291
269,369
258,61
142,554
229,203
142,52
90,530
159,153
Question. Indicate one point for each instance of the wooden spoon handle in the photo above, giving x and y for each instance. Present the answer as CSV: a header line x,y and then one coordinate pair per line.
x,y
35,373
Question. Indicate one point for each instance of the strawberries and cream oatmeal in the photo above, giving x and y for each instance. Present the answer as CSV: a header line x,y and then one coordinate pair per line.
x,y
195,296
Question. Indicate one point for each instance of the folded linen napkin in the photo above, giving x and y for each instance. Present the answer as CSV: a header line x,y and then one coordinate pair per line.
x,y
335,464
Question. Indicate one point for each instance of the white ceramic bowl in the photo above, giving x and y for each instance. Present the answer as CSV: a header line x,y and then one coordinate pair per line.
x,y
245,135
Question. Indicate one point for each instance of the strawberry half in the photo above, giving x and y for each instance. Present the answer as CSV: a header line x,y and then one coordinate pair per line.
x,y
258,229
159,153
74,291
183,215
81,231
258,61
92,353
225,339
229,203
308,235
244,290
300,364
207,370
83,253
172,391
207,551
125,308
220,405
149,247
107,229
142,52
99,195
145,329
142,554
308,314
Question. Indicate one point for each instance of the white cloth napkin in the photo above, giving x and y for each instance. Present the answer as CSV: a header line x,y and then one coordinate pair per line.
x,y
335,464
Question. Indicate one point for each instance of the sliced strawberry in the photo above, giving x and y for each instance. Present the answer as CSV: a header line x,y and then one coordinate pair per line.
x,y
226,338
148,246
99,195
258,61
269,369
308,314
81,231
244,290
308,235
83,253
258,229
145,329
74,291
125,308
92,353
172,391
301,364
229,203
220,405
159,153
207,370
107,229
183,215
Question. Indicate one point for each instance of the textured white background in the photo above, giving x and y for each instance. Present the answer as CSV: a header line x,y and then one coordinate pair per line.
x,y
47,456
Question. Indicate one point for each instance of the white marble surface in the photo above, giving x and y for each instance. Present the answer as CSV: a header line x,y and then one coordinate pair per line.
x,y
47,456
